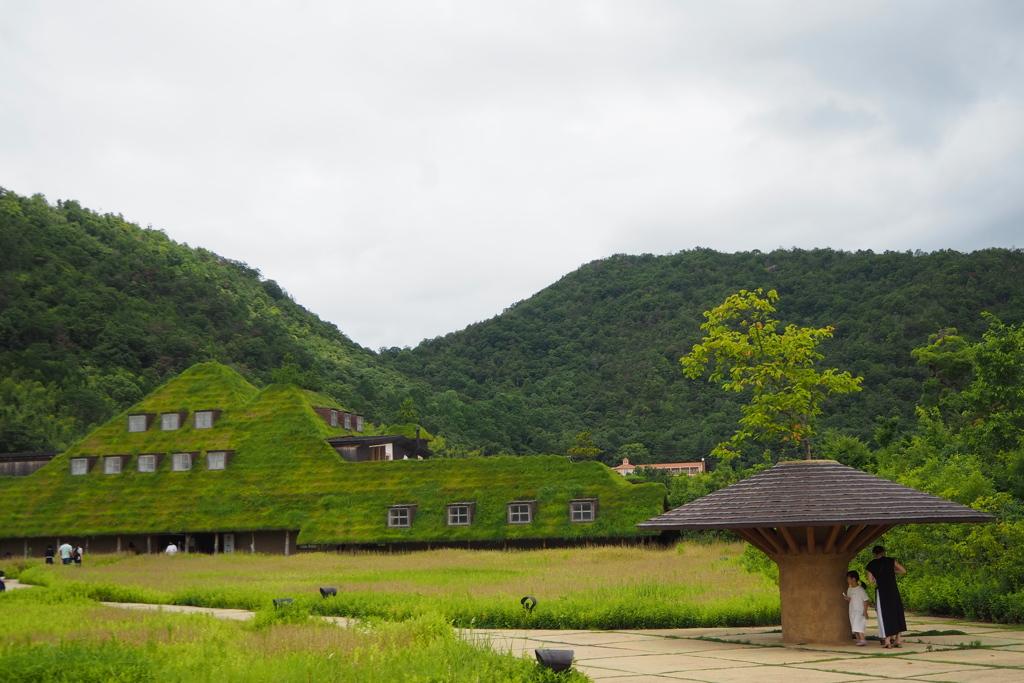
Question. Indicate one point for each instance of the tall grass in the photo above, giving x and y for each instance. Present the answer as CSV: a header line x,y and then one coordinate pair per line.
x,y
57,634
691,585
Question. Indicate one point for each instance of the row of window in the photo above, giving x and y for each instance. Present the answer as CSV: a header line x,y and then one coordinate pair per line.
x,y
345,420
169,422
581,511
148,462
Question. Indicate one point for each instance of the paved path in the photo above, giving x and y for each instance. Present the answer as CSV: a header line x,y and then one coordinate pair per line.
x,y
993,654
980,653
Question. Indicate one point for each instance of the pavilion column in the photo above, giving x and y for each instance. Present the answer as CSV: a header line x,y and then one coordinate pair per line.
x,y
811,589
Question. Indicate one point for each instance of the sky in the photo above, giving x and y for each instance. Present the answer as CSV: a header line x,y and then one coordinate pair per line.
x,y
405,169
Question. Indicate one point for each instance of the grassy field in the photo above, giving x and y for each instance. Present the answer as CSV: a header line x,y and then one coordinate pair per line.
x,y
56,634
607,587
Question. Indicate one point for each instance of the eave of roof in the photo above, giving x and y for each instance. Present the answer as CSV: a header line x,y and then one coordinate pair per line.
x,y
813,493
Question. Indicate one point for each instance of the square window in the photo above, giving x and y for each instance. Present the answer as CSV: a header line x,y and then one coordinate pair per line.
x,y
79,466
112,465
147,463
182,462
399,517
459,515
170,421
348,420
204,419
215,460
136,423
334,418
582,510
520,513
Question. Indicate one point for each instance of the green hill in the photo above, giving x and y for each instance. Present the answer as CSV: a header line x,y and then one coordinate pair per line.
x,y
599,349
96,312
284,476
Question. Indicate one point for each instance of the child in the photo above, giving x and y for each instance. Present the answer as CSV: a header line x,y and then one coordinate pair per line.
x,y
858,599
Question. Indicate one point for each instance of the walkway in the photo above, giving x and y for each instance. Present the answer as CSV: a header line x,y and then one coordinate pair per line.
x,y
968,653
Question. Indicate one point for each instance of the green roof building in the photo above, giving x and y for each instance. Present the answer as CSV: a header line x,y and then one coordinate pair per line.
x,y
213,463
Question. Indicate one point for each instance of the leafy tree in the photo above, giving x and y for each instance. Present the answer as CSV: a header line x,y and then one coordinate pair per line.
x,y
636,453
747,352
584,449
407,413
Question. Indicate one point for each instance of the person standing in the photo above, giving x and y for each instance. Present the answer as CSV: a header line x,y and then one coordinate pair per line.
x,y
65,551
882,571
172,549
49,554
77,556
858,599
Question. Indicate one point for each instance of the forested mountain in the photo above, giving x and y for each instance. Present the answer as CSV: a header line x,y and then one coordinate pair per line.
x,y
95,312
599,350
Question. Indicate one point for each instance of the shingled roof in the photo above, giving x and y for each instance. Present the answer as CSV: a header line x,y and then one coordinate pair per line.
x,y
813,493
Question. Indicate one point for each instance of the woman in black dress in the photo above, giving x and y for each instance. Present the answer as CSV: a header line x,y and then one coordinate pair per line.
x,y
888,604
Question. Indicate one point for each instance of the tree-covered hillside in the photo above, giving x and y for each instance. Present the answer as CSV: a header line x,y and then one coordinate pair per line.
x,y
96,312
599,350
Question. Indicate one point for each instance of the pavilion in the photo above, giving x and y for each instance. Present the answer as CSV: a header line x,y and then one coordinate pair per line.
x,y
812,517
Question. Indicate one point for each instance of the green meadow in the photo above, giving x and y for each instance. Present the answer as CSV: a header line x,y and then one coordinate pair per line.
x,y
689,585
58,634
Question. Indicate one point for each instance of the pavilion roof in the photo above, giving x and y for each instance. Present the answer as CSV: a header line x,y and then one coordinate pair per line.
x,y
813,493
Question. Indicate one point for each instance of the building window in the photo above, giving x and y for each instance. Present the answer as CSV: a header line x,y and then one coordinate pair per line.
x,y
378,453
334,418
79,466
182,462
359,423
112,465
460,515
400,516
581,511
520,513
204,419
147,463
348,420
170,421
215,460
136,423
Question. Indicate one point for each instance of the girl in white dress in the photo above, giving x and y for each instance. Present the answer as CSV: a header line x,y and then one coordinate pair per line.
x,y
858,599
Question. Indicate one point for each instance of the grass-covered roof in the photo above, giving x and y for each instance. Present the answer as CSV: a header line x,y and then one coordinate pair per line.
x,y
283,475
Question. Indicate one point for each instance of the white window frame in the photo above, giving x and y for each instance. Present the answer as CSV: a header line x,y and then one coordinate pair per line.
x,y
516,516
218,457
79,466
582,511
150,460
170,422
137,423
203,419
334,418
176,458
112,464
400,517
359,423
460,514
348,421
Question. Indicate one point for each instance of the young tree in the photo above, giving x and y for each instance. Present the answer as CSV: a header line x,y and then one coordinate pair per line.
x,y
746,351
584,448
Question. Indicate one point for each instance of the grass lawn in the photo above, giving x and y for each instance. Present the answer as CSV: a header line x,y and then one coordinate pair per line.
x,y
605,587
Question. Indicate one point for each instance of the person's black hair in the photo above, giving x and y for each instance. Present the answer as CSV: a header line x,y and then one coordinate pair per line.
x,y
878,550
856,577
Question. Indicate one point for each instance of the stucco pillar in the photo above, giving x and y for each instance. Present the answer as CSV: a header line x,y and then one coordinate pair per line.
x,y
811,588
287,538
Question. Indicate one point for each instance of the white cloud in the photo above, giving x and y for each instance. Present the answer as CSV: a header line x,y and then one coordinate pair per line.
x,y
404,169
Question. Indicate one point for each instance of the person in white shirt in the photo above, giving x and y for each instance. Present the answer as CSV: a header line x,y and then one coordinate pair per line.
x,y
65,551
857,596
172,549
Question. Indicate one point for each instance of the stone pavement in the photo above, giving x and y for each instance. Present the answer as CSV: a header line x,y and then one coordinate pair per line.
x,y
975,653
985,653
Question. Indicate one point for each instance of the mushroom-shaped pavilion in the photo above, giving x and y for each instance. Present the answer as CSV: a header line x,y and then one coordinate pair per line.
x,y
812,517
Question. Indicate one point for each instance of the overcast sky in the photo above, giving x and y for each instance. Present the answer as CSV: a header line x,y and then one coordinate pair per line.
x,y
406,169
